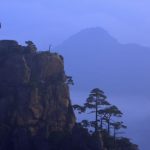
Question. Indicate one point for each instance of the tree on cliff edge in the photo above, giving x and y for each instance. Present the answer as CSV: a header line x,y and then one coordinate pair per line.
x,y
31,48
110,112
95,100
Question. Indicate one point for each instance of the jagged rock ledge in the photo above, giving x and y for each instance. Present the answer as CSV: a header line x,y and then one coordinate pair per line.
x,y
34,98
35,106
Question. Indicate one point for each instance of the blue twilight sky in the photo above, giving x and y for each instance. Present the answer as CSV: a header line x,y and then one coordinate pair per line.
x,y
52,21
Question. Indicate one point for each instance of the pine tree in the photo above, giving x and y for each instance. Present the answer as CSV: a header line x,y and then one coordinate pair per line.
x,y
94,102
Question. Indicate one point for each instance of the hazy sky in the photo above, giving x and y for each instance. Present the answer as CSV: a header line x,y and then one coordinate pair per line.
x,y
52,21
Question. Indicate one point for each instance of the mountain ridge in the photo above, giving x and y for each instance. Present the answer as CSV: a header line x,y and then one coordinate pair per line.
x,y
111,56
120,69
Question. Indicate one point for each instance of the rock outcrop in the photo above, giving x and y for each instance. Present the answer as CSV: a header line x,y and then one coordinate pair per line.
x,y
34,97
35,106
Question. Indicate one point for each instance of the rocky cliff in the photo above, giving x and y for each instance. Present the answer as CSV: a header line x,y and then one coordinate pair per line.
x,y
35,106
34,97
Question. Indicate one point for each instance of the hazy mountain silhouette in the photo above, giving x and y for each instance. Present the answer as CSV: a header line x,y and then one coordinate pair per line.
x,y
95,58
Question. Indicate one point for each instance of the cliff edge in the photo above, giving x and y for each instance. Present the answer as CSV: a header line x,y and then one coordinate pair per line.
x,y
34,97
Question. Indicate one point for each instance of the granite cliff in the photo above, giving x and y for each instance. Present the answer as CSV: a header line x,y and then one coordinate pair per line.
x,y
34,97
35,106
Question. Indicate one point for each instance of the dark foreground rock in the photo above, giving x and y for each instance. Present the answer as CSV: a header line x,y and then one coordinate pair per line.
x,y
34,98
35,106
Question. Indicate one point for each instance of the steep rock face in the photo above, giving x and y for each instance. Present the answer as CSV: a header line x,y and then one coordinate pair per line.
x,y
34,98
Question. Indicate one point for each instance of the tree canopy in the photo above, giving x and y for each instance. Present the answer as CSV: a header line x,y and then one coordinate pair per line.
x,y
104,119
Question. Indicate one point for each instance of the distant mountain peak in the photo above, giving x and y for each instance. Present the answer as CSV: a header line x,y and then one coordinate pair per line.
x,y
96,37
94,31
